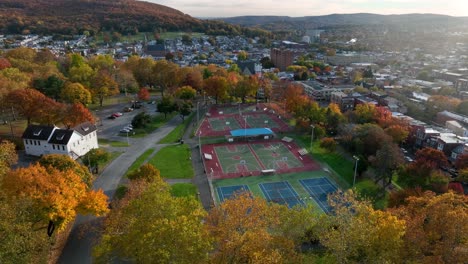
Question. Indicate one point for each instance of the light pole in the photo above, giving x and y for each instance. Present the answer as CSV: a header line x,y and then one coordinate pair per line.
x,y
312,135
199,144
198,113
355,168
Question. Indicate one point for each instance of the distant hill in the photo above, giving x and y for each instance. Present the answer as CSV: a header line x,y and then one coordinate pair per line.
x,y
70,17
310,22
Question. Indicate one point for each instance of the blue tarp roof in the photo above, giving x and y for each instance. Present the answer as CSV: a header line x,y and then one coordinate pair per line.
x,y
251,132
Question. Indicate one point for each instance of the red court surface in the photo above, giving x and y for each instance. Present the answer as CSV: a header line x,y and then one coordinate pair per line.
x,y
250,161
253,116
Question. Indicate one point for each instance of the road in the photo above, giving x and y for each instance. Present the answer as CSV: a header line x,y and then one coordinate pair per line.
x,y
79,245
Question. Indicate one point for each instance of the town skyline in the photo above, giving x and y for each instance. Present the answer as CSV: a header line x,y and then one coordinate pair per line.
x,y
298,8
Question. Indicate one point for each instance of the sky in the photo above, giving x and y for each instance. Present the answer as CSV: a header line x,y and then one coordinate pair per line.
x,y
297,8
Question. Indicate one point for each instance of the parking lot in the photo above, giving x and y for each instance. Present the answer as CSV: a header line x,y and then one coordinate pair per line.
x,y
109,128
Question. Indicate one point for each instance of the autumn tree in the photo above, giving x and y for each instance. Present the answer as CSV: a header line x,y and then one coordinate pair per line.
x,y
333,118
60,196
368,138
143,94
166,75
398,133
75,93
438,103
243,229
185,109
80,71
155,227
65,163
24,240
76,114
185,93
103,85
146,172
142,70
192,78
356,233
365,113
436,228
328,144
242,55
8,156
387,159
246,87
419,172
34,106
217,87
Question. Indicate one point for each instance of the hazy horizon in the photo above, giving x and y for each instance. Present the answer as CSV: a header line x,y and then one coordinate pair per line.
x,y
299,8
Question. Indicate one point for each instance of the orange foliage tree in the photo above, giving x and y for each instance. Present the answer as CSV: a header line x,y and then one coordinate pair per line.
x,y
58,195
143,94
34,105
436,228
76,114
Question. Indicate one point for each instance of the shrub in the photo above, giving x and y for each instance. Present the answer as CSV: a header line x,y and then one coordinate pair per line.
x,y
141,120
328,144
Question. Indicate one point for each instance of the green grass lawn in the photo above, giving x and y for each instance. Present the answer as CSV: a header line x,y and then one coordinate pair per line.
x,y
340,165
156,122
117,144
139,161
184,190
369,189
18,128
173,162
177,132
110,101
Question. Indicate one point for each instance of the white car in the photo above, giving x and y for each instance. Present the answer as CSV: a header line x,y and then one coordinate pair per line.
x,y
128,128
124,130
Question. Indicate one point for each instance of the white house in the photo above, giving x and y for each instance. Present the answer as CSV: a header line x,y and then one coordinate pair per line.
x,y
75,142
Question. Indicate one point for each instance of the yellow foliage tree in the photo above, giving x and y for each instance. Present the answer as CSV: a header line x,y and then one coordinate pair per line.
x,y
244,232
152,226
358,233
59,195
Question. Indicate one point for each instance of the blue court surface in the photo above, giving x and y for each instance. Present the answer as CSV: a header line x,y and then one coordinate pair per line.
x,y
281,192
227,192
319,188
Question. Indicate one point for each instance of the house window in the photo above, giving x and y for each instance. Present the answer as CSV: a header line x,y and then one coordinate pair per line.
x,y
34,142
39,143
63,147
53,146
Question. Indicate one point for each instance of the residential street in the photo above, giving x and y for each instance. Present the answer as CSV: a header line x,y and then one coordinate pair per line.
x,y
79,245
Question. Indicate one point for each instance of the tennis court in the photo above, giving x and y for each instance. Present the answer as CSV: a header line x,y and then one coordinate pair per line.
x,y
275,155
261,120
281,192
319,188
237,159
227,192
223,123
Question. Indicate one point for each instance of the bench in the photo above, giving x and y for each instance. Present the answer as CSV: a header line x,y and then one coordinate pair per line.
x,y
268,172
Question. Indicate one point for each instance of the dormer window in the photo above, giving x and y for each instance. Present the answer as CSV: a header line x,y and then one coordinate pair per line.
x,y
85,128
60,137
37,132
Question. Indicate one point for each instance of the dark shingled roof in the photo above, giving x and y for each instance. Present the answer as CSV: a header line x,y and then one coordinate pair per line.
x,y
37,132
61,136
85,128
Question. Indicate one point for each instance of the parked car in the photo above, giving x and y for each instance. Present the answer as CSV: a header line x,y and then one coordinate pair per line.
x,y
128,128
124,130
128,109
111,117
117,114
